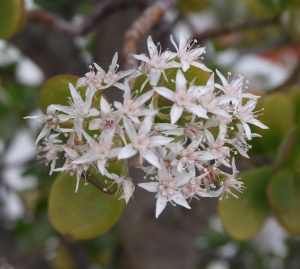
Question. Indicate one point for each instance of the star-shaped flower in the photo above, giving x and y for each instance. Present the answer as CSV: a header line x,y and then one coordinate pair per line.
x,y
167,188
184,99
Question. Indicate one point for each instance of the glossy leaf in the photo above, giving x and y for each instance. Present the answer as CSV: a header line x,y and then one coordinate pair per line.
x,y
242,218
86,214
56,91
284,196
278,120
285,149
12,17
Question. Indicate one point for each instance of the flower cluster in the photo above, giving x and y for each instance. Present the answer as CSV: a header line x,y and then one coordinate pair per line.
x,y
186,132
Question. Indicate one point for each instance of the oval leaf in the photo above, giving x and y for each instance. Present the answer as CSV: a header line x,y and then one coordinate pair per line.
x,y
85,214
12,17
56,91
242,218
279,121
284,195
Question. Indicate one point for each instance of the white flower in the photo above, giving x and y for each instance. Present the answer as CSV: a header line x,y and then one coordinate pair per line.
x,y
245,114
79,169
51,120
134,108
157,62
110,78
50,151
79,109
183,99
99,152
127,185
108,119
142,141
187,54
167,188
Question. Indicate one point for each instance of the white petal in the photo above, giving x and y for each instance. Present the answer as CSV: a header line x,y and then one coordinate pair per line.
x,y
99,68
179,199
78,126
258,123
162,172
247,130
173,42
163,91
182,41
182,179
149,156
146,125
93,112
161,203
157,141
46,130
145,97
154,76
104,106
81,82
151,47
201,66
180,81
127,152
63,118
223,79
101,166
198,110
95,124
175,113
72,153
150,186
67,109
129,127
185,65
88,158
142,57
89,96
209,137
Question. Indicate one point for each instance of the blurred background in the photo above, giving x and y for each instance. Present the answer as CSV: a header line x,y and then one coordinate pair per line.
x,y
256,38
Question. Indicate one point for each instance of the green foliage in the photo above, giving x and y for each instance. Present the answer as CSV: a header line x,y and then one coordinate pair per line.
x,y
284,197
244,217
12,17
279,115
86,214
56,91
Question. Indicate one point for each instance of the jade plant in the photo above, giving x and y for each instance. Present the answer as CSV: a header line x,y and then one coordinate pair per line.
x,y
183,126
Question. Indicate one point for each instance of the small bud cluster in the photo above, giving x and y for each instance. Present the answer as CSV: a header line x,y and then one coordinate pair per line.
x,y
185,133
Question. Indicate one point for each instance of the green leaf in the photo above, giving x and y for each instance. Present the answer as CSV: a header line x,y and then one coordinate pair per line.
x,y
242,218
12,17
284,150
283,192
83,215
56,91
278,120
265,8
